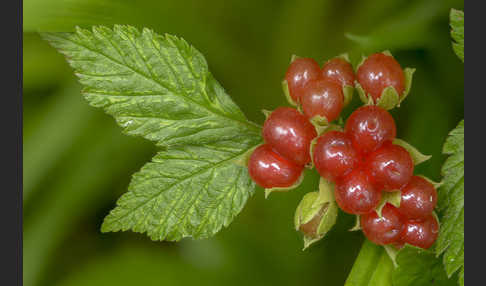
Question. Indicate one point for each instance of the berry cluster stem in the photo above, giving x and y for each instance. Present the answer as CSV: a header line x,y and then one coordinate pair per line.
x,y
373,266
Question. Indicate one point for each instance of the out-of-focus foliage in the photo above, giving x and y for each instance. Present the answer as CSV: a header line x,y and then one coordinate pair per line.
x,y
457,32
77,162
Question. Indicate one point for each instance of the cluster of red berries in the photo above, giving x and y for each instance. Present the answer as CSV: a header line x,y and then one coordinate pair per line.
x,y
362,161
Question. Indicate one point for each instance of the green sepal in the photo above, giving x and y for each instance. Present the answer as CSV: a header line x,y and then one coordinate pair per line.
x,y
366,99
389,98
321,129
243,159
285,88
295,185
417,157
294,57
320,123
392,253
363,58
266,113
393,198
344,56
311,151
307,209
348,91
357,224
317,205
435,184
408,72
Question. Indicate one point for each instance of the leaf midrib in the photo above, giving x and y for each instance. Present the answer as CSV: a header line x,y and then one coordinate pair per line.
x,y
193,175
214,111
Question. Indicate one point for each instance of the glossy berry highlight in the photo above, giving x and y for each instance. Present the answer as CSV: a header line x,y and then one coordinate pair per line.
x,y
299,73
385,229
369,127
390,167
418,198
323,98
355,194
289,133
420,233
379,71
334,155
270,170
340,71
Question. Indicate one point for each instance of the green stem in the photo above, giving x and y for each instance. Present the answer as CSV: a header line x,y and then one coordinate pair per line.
x,y
373,267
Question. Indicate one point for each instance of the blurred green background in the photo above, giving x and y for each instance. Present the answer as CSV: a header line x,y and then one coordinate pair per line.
x,y
77,162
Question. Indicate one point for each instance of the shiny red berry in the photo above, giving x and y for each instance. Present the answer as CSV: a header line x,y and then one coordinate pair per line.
x,y
379,71
419,198
290,134
322,97
420,233
270,170
339,71
390,167
369,127
299,73
385,229
355,194
334,155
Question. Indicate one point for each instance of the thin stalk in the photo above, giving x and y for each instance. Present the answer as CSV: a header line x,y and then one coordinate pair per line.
x,y
373,267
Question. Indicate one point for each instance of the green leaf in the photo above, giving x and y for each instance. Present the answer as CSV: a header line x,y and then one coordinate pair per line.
x,y
451,203
185,191
157,87
160,88
457,32
418,267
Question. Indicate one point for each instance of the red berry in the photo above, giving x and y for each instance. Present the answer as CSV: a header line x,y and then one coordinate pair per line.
x,y
390,167
270,170
385,229
379,71
420,233
369,127
339,71
355,194
334,155
399,244
290,134
322,97
299,73
419,198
